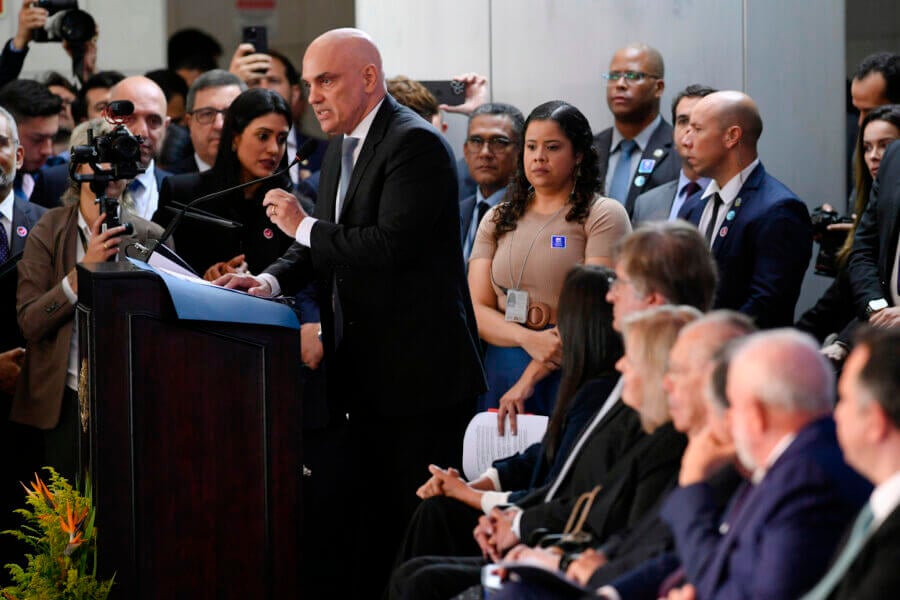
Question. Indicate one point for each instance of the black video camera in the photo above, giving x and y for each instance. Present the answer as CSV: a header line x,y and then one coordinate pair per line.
x,y
830,242
118,148
67,23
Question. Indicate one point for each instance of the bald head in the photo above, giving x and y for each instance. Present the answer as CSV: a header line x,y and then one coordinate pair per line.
x,y
149,119
343,74
720,140
651,56
732,108
635,103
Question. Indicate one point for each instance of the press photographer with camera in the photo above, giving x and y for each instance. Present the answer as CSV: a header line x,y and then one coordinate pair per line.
x,y
833,317
52,21
47,397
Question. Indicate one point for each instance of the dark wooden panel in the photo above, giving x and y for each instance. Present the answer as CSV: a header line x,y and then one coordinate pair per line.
x,y
194,445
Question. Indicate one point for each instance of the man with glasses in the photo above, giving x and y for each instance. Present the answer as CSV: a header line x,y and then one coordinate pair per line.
x,y
636,153
207,100
492,143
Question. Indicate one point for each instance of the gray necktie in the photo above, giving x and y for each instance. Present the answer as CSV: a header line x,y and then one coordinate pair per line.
x,y
347,147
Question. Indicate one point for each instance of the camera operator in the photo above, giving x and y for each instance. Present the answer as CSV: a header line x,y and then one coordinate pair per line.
x,y
833,317
47,293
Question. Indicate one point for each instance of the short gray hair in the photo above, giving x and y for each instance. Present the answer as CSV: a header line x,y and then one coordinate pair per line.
x,y
795,376
211,79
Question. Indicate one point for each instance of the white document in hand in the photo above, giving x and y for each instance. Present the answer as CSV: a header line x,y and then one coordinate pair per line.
x,y
482,445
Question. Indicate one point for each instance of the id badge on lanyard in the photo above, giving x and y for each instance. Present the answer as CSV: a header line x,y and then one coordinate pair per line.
x,y
517,306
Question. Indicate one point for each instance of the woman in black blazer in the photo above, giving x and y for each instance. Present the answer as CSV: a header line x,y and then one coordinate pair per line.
x,y
254,140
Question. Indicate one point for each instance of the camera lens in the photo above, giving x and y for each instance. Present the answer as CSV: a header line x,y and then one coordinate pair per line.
x,y
127,148
75,26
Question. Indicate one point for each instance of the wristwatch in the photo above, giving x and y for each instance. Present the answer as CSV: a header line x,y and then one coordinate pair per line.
x,y
876,305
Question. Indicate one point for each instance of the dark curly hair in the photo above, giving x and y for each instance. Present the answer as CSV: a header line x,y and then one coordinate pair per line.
x,y
587,182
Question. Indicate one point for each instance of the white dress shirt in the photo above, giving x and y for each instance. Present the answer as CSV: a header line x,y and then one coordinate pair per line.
x,y
728,193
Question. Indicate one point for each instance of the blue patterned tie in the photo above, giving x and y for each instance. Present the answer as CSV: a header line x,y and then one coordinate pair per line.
x,y
4,244
618,187
858,536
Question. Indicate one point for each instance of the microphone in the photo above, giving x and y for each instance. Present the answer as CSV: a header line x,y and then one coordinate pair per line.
x,y
305,151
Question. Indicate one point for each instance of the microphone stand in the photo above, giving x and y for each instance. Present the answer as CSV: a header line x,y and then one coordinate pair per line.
x,y
305,152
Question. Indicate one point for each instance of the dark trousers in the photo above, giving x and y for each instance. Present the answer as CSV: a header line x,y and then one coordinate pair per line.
x,y
440,526
389,458
61,442
22,450
435,577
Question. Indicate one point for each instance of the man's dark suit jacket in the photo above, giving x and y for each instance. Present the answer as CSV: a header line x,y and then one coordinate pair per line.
x,y
11,63
764,251
779,543
186,164
25,216
409,344
49,185
874,575
875,243
666,167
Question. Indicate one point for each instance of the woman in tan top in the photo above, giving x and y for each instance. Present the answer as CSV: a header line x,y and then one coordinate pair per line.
x,y
551,219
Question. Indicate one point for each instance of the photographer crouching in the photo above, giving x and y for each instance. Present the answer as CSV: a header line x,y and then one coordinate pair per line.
x,y
77,232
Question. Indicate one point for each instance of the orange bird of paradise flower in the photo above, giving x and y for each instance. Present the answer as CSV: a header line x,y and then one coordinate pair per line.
x,y
72,524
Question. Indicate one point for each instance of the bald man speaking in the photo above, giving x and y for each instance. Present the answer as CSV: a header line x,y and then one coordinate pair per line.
x,y
758,230
397,322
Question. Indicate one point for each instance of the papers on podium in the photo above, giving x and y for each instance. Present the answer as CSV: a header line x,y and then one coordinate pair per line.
x,y
482,445
196,299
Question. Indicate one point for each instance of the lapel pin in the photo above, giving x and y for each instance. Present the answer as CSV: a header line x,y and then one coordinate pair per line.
x,y
21,231
646,165
658,152
737,203
268,233
723,232
729,216
640,180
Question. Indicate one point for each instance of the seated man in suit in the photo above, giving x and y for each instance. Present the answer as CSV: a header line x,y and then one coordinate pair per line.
x,y
873,265
207,100
149,121
493,141
868,427
661,263
691,360
788,519
636,152
663,203
759,232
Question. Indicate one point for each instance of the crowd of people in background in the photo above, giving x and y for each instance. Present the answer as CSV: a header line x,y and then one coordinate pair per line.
x,y
636,285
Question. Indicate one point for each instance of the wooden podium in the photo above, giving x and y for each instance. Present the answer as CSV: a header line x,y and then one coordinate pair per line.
x,y
190,431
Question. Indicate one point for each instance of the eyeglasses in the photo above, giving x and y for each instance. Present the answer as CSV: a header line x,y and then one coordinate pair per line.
x,y
615,282
495,144
205,116
630,76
